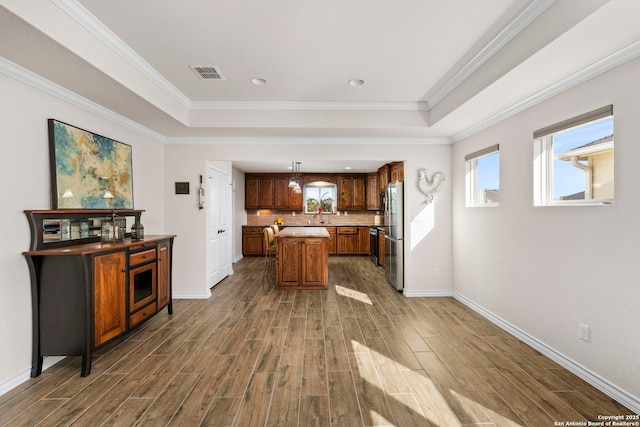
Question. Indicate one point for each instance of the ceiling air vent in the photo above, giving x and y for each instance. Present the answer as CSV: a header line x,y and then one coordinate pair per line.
x,y
207,72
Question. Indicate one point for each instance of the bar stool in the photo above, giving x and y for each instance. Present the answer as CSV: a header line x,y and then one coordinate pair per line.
x,y
269,248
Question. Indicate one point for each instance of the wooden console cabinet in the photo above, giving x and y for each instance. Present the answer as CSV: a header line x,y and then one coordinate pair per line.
x,y
86,294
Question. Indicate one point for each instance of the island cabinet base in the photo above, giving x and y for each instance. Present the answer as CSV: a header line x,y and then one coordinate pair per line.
x,y
302,263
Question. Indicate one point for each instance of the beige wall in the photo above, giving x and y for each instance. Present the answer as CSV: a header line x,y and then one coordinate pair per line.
x,y
24,151
544,270
184,162
536,269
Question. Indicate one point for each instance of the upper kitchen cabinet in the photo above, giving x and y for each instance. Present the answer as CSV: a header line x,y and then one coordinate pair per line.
x,y
270,191
373,192
397,171
284,196
351,192
383,177
259,191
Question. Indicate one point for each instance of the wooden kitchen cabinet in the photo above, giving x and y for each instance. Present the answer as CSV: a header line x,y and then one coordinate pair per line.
x,y
384,174
397,171
252,240
363,240
302,259
351,192
333,240
84,291
259,191
284,196
373,192
270,191
109,296
381,247
347,239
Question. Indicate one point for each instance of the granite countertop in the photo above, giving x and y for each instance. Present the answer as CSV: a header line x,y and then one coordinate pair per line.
x,y
285,226
317,231
318,225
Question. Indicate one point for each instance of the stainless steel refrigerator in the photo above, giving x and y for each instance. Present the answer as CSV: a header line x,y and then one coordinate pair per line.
x,y
394,234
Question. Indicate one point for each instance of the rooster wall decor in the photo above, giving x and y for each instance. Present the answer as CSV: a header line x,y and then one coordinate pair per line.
x,y
429,187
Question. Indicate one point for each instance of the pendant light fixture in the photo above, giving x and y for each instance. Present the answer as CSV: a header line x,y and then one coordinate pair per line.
x,y
292,181
297,188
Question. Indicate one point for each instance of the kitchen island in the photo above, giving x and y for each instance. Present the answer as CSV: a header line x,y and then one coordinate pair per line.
x,y
302,258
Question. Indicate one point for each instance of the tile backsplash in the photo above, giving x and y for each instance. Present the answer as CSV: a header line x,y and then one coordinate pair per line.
x,y
266,217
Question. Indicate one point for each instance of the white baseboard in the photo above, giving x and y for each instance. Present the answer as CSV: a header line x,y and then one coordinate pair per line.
x,y
26,374
627,399
417,294
195,295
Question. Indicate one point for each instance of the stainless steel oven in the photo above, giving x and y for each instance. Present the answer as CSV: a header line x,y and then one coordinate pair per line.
x,y
373,245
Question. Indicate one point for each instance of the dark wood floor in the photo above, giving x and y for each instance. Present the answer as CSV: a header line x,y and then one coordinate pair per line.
x,y
357,354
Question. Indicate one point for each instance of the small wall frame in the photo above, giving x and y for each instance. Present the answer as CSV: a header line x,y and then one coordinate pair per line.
x,y
182,188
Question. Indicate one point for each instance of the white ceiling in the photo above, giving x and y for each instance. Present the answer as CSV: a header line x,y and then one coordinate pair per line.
x,y
435,70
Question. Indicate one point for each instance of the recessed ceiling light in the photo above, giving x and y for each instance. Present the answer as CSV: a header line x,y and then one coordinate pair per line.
x,y
258,81
356,82
348,168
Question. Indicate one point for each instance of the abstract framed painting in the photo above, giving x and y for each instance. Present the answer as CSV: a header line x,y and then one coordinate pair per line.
x,y
88,171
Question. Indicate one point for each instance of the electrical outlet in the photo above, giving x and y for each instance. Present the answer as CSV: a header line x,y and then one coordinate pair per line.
x,y
585,332
436,272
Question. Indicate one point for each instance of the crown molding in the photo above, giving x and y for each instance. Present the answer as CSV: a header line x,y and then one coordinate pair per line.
x,y
318,106
104,34
34,80
526,17
608,63
305,141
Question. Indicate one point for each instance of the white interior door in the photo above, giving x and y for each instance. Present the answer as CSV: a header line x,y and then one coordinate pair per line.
x,y
218,225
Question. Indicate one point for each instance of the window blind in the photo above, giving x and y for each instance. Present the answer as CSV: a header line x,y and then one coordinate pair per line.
x,y
575,121
483,152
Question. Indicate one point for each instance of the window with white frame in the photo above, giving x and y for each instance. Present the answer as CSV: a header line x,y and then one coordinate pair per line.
x,y
483,177
319,198
573,161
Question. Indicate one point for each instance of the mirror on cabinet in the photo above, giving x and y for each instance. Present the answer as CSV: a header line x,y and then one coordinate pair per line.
x,y
64,229
320,197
